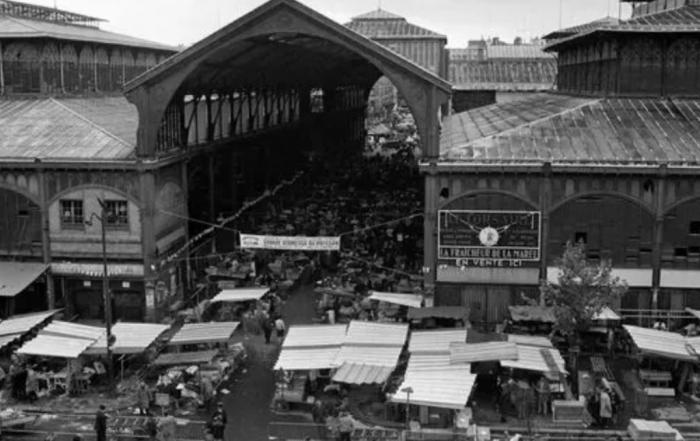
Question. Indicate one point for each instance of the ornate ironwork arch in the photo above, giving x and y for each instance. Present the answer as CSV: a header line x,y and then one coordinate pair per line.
x,y
523,199
614,195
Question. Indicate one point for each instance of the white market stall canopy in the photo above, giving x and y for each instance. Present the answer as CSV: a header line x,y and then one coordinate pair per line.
x,y
197,333
661,343
129,338
15,277
21,324
73,330
316,336
537,359
438,341
56,346
376,334
353,373
306,359
480,352
240,295
186,358
410,300
436,383
375,356
530,340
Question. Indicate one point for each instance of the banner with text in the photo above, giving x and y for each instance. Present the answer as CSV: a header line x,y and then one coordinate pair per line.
x,y
474,238
294,243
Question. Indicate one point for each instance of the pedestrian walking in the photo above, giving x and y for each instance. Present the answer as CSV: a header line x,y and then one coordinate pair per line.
x,y
144,396
167,426
222,412
280,328
217,427
345,426
267,329
207,391
101,424
606,412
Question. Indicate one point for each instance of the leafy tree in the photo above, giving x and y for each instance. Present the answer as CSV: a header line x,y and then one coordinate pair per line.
x,y
582,290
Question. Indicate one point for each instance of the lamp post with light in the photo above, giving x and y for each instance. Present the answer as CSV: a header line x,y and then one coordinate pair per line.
x,y
107,298
408,391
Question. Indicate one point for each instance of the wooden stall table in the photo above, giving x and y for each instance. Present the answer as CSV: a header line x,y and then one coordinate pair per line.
x,y
569,412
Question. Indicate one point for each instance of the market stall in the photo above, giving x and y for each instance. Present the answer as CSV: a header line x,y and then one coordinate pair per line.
x,y
531,320
394,306
16,328
66,341
230,304
178,379
306,360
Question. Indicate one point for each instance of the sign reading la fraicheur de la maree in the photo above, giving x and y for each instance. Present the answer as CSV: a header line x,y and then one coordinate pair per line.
x,y
475,238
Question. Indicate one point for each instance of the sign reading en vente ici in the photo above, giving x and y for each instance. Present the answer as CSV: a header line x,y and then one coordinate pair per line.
x,y
475,238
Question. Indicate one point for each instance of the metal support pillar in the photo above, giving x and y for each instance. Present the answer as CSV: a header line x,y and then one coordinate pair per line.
x,y
658,237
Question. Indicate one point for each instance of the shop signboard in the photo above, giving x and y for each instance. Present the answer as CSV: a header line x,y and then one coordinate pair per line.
x,y
293,243
477,238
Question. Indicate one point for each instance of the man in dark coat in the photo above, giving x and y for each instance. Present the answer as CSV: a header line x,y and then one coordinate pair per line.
x,y
101,424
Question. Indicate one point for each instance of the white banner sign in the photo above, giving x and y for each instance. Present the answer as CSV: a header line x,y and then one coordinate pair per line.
x,y
290,243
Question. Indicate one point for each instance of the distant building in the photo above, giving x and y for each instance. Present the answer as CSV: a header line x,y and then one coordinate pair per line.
x,y
487,72
67,138
422,46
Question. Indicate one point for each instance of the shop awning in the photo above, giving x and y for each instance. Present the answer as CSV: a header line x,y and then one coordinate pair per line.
x,y
21,324
430,342
376,334
353,373
73,330
97,270
410,300
130,338
306,359
694,312
660,343
56,346
15,277
198,333
530,340
439,312
537,359
436,383
186,358
316,336
240,295
680,279
479,352
634,277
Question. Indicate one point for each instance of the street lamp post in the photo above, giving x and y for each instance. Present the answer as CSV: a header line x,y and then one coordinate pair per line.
x,y
408,391
107,298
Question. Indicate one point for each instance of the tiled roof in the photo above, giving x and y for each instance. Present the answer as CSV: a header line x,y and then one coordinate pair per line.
x,y
373,25
68,129
504,74
684,19
378,14
14,27
570,130
586,27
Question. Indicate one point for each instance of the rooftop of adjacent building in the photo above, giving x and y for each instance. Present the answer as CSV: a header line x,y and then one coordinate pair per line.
x,y
23,20
381,24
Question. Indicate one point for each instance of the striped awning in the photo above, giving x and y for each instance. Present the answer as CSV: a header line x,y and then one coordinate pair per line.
x,y
352,373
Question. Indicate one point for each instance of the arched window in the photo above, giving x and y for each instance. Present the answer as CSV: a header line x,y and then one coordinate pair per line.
x,y
129,66
683,67
87,69
22,74
71,73
51,69
104,82
116,67
641,66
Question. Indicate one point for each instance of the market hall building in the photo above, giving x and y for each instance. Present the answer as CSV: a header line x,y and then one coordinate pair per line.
x,y
612,159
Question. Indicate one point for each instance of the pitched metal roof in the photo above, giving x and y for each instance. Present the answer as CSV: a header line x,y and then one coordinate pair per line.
x,y
16,276
353,373
15,27
314,336
568,130
378,14
585,27
517,51
435,341
436,383
661,343
504,74
70,129
685,19
390,28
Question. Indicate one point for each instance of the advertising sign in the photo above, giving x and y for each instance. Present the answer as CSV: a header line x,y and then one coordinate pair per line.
x,y
294,243
488,238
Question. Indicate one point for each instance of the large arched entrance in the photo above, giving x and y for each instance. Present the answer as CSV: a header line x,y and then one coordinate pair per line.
x,y
265,93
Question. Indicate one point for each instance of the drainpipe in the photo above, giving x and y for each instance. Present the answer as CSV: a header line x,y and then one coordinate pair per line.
x,y
2,73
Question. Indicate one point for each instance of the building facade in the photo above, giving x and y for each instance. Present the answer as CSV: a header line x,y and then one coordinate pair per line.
x,y
612,160
68,142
